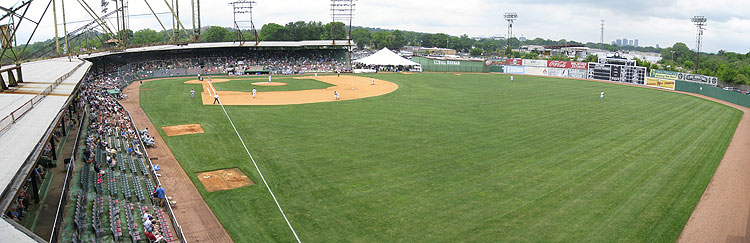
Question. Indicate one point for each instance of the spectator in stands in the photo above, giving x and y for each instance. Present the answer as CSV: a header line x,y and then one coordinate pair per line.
x,y
151,237
159,194
149,225
147,217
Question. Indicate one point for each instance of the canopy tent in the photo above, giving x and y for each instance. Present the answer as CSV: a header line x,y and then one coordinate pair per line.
x,y
386,57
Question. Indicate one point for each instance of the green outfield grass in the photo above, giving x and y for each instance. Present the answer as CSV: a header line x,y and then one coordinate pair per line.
x,y
245,85
448,158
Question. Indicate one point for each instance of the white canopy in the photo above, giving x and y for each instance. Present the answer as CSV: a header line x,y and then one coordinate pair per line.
x,y
386,57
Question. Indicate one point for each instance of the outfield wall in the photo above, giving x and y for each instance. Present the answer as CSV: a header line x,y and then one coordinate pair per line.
x,y
714,92
448,65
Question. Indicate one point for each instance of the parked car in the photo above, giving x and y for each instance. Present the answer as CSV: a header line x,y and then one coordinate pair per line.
x,y
730,88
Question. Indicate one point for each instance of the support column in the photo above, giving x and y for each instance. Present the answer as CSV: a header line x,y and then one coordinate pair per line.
x,y
34,186
62,125
53,150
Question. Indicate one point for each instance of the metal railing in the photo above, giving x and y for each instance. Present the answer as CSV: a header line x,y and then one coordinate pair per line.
x,y
151,170
7,121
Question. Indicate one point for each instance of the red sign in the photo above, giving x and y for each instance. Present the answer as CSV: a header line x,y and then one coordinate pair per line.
x,y
579,65
515,62
567,64
558,64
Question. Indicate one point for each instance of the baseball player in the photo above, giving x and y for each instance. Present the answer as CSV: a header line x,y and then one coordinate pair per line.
x,y
601,96
316,75
254,93
192,93
336,95
216,99
269,79
511,77
372,80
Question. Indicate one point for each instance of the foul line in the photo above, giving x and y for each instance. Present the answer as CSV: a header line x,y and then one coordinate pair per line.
x,y
258,169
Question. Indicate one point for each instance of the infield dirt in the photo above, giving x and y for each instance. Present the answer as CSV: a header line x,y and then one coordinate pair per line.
x,y
348,88
219,180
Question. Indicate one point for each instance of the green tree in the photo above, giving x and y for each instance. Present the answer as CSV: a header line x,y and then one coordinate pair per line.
x,y
475,52
339,31
398,40
559,58
146,36
274,32
362,37
531,55
216,34
591,58
382,39
125,35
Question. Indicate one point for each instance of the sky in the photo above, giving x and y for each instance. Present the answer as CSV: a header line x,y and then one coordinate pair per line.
x,y
652,22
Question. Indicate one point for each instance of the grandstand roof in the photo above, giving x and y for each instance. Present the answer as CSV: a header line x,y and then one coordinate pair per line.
x,y
270,44
21,140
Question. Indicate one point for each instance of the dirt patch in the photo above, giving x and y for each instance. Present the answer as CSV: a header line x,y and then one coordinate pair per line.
x,y
219,180
146,89
182,129
406,73
348,88
458,74
269,84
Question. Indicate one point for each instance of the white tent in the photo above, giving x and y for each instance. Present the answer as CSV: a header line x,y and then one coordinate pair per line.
x,y
386,57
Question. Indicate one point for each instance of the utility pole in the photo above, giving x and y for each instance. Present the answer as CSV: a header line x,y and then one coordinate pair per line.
x,y
54,17
699,22
65,29
601,41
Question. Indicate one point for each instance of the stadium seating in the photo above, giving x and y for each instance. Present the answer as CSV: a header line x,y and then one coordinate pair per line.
x,y
114,215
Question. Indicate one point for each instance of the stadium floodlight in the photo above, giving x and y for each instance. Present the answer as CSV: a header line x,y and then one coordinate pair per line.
x,y
700,23
510,17
242,15
342,10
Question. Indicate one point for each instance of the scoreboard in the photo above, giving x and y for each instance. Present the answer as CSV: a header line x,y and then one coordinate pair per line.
x,y
617,73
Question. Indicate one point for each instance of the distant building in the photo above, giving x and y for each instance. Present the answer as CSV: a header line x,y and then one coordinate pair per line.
x,y
636,43
522,38
631,43
619,42
657,46
624,42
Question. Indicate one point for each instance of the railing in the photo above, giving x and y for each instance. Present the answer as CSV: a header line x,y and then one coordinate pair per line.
x,y
175,224
68,176
7,121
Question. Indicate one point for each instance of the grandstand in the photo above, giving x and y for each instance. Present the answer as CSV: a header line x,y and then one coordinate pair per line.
x,y
77,167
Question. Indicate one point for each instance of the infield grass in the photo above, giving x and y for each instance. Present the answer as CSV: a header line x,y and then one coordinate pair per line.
x,y
245,85
447,158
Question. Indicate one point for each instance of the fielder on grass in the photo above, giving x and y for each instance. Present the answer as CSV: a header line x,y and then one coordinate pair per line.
x,y
254,93
192,93
601,96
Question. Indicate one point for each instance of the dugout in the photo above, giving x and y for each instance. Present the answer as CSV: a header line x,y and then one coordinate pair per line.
x,y
439,64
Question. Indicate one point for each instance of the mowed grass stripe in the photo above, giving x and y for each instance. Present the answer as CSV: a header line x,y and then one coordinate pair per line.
x,y
461,158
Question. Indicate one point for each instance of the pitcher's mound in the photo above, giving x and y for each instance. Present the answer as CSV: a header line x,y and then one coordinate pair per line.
x,y
219,180
269,84
182,129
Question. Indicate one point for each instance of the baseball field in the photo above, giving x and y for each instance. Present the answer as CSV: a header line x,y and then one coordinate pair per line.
x,y
445,157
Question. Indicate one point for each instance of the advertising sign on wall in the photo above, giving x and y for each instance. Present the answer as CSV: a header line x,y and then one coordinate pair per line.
x,y
534,63
514,69
537,70
660,83
663,74
515,62
579,65
558,64
697,78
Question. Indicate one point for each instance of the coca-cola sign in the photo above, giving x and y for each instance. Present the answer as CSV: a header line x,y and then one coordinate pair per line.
x,y
558,64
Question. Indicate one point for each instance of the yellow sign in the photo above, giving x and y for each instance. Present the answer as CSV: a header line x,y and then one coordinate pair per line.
x,y
660,83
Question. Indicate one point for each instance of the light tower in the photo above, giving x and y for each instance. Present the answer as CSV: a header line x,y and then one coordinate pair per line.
x,y
700,22
601,40
342,10
510,17
242,16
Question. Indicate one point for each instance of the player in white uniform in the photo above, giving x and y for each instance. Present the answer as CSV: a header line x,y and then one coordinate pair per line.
x,y
192,93
269,78
601,96
336,95
372,80
216,99
254,93
511,77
